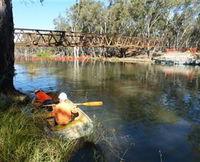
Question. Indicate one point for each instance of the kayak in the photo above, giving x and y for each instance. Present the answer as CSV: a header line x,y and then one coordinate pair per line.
x,y
81,126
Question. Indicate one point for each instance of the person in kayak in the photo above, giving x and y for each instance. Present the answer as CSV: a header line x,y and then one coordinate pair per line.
x,y
43,99
65,111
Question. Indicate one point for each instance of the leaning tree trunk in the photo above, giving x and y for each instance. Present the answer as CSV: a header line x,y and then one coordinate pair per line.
x,y
6,46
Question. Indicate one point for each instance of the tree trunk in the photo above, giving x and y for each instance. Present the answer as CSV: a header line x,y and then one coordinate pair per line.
x,y
6,46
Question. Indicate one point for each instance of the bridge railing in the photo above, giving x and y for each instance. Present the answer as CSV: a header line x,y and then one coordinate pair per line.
x,y
53,38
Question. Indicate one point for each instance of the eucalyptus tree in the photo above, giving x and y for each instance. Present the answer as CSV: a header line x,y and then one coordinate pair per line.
x,y
61,23
195,35
6,46
87,16
174,20
185,22
118,17
83,17
181,22
148,16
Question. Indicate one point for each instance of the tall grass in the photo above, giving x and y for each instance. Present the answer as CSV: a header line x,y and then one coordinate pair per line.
x,y
22,138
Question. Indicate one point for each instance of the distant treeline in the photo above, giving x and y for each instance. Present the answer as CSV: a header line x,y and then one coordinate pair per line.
x,y
177,21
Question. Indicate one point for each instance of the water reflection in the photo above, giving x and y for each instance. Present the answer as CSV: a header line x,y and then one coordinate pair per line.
x,y
194,139
88,152
151,110
184,71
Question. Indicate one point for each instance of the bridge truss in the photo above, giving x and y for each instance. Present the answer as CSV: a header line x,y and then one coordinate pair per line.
x,y
53,38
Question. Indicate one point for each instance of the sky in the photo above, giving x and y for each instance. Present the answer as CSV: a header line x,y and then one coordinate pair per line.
x,y
34,15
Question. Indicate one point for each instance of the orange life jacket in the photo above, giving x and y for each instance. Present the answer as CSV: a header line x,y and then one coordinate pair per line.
x,y
42,96
62,112
61,117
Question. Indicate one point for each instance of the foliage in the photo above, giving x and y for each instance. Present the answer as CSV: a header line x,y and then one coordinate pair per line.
x,y
177,21
44,53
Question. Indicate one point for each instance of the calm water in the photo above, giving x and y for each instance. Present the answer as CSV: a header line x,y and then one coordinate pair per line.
x,y
151,113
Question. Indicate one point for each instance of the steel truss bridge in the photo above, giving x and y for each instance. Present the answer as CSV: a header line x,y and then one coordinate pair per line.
x,y
54,38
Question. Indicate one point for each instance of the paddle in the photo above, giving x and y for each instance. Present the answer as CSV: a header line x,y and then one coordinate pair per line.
x,y
93,103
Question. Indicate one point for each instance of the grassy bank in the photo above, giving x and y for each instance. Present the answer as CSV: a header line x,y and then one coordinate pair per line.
x,y
22,138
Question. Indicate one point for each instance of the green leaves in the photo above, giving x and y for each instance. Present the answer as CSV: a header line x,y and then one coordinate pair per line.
x,y
175,20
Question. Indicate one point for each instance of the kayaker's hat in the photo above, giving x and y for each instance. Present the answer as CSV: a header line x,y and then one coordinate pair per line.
x,y
62,96
36,90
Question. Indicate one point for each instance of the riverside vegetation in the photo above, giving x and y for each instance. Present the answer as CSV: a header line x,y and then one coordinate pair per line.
x,y
22,137
175,21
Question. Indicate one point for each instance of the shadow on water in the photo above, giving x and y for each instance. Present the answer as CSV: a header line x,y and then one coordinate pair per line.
x,y
89,152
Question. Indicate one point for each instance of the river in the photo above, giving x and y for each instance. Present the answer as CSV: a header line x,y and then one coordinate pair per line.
x,y
151,112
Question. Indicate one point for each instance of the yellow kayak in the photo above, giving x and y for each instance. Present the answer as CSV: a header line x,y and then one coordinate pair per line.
x,y
81,126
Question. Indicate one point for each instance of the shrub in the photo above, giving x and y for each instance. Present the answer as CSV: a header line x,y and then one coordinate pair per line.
x,y
45,53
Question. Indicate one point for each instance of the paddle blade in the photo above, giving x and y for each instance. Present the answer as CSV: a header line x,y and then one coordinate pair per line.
x,y
95,103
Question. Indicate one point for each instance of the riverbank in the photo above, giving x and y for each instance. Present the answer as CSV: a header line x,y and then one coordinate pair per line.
x,y
22,136
135,59
171,58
